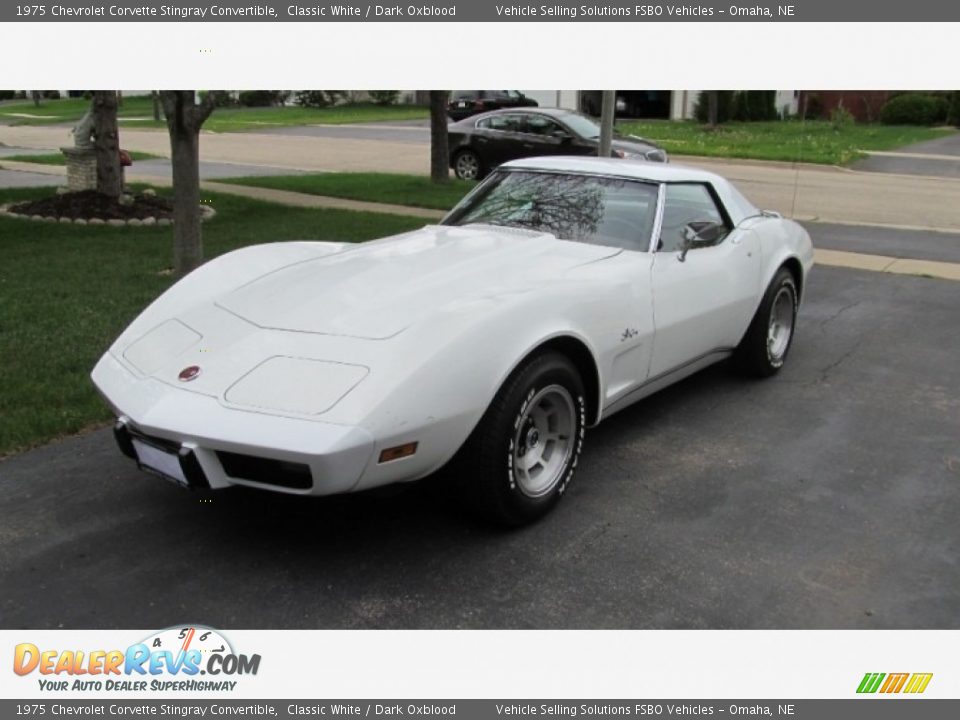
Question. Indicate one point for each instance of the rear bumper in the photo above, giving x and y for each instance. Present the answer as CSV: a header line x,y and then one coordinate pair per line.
x,y
219,446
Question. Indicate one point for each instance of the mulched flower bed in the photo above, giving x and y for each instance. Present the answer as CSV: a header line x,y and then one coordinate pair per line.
x,y
89,204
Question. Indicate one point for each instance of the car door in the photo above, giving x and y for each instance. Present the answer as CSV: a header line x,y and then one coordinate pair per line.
x,y
499,138
704,295
545,136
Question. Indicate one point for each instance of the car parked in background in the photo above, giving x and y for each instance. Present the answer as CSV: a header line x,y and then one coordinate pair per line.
x,y
480,143
464,103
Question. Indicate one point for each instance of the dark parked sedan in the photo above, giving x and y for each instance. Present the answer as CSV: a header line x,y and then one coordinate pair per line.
x,y
464,103
480,143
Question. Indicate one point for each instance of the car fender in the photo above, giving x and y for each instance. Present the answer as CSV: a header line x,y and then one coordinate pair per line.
x,y
439,401
783,241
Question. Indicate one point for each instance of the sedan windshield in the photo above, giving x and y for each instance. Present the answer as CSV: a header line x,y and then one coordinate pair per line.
x,y
582,125
585,208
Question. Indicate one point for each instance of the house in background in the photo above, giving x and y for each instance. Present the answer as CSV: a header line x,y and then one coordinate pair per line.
x,y
864,105
646,104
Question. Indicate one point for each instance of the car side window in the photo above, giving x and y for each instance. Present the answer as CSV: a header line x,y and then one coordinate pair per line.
x,y
687,203
502,123
541,125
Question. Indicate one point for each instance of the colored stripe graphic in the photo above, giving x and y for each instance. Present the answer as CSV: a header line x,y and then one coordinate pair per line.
x,y
918,682
894,683
870,682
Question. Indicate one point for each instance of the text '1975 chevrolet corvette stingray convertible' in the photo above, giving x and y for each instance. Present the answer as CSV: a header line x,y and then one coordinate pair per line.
x,y
559,291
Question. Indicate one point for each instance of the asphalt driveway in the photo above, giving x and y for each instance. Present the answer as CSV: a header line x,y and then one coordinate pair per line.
x,y
826,497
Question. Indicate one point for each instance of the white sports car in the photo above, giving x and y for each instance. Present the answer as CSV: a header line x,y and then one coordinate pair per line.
x,y
559,291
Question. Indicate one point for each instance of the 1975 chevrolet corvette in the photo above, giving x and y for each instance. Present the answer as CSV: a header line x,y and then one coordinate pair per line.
x,y
559,291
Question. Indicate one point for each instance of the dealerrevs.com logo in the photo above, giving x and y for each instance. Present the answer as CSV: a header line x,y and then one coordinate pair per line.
x,y
176,659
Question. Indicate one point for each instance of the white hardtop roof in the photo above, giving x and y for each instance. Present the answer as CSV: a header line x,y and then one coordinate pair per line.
x,y
737,205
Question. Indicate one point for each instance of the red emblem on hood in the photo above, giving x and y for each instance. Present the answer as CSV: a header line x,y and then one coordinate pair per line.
x,y
189,373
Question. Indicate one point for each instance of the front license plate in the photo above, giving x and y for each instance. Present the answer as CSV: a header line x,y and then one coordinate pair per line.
x,y
161,462
461,104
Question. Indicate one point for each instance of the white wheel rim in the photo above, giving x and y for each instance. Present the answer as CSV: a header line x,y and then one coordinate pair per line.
x,y
544,440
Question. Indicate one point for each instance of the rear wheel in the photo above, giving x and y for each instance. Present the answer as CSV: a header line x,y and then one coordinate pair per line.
x,y
764,348
467,166
519,460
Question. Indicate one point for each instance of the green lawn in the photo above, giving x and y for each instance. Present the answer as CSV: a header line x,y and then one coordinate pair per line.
x,y
414,190
240,119
59,159
66,292
138,112
793,141
70,110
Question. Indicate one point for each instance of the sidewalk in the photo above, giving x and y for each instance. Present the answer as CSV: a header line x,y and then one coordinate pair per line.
x,y
282,197
803,192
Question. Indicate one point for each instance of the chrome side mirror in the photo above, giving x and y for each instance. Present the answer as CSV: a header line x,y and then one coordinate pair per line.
x,y
700,233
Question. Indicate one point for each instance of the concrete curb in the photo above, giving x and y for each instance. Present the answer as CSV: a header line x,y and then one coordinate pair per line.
x,y
887,264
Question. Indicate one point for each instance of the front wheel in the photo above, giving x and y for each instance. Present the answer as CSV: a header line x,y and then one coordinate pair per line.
x,y
521,457
764,348
467,166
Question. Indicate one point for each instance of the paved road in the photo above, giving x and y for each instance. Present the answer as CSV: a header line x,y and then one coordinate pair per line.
x,y
144,171
415,132
944,247
823,498
11,179
942,159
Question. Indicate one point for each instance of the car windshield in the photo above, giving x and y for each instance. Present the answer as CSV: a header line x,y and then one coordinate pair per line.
x,y
582,125
585,208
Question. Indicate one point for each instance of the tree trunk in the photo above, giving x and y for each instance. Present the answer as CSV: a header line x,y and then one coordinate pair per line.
x,y
36,97
439,143
184,120
187,237
712,108
107,143
156,104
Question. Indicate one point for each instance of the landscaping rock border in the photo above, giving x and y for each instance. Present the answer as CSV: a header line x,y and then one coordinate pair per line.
x,y
206,213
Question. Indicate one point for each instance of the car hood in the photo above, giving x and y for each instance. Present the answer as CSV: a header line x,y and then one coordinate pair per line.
x,y
376,290
632,144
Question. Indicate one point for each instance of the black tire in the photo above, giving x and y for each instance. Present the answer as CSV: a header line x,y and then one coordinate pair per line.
x,y
489,483
463,161
757,355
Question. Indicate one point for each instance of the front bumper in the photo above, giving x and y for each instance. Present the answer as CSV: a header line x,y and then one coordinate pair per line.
x,y
220,446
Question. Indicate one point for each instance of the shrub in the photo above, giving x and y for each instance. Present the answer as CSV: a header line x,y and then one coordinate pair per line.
x,y
812,108
701,110
840,117
384,97
953,116
317,98
7,94
755,105
914,109
261,98
224,99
